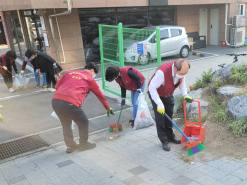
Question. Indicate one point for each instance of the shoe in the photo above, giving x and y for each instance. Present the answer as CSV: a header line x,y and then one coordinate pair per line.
x,y
71,149
166,147
51,89
175,141
86,146
11,90
131,123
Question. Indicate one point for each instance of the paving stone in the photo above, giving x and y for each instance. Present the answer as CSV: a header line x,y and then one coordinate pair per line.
x,y
231,180
138,170
37,177
202,178
16,180
63,180
243,182
64,163
166,173
122,162
110,181
152,178
194,183
241,173
181,180
134,181
10,170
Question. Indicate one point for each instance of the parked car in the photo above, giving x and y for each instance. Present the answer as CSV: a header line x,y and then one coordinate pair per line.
x,y
173,41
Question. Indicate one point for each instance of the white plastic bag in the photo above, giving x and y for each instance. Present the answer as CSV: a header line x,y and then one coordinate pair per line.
x,y
54,115
143,117
17,82
21,81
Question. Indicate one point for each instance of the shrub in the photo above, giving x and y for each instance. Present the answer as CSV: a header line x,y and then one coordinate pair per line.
x,y
238,127
205,80
220,115
239,75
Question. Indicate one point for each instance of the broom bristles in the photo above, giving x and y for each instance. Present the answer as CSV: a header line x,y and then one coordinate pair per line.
x,y
195,149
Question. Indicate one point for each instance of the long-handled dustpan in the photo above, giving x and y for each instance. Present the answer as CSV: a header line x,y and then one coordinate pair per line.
x,y
194,149
116,127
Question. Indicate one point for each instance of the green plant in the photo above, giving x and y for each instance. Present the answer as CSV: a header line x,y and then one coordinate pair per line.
x,y
239,75
238,127
207,76
217,84
220,116
204,81
218,109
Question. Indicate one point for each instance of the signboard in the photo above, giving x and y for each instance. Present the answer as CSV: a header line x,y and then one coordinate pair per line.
x,y
140,49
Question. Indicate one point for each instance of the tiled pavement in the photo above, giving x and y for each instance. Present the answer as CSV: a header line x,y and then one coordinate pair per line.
x,y
135,158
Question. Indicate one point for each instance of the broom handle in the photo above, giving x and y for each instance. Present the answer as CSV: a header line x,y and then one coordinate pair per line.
x,y
120,113
174,124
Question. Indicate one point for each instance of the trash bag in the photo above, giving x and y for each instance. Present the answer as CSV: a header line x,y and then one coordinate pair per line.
x,y
143,117
21,81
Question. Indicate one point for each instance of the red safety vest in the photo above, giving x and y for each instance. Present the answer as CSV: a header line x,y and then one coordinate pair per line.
x,y
125,81
168,88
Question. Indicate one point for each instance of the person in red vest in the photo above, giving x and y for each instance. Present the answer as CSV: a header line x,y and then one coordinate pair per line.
x,y
71,91
162,85
128,78
7,61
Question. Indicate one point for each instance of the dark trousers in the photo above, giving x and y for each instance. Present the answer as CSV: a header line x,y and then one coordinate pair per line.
x,y
68,113
50,76
8,80
163,125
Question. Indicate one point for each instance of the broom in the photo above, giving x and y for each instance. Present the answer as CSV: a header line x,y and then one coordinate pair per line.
x,y
190,151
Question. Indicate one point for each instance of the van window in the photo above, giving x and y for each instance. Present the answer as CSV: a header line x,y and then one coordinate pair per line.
x,y
164,34
176,32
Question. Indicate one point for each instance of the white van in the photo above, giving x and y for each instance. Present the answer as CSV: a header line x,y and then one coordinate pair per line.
x,y
173,41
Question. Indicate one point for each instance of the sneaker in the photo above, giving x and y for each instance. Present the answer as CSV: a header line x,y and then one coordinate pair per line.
x,y
51,89
11,90
86,146
166,147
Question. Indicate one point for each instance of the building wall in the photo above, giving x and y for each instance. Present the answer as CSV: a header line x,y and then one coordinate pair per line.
x,y
188,17
72,54
199,2
38,4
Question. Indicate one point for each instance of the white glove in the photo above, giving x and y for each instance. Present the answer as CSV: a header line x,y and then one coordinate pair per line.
x,y
139,90
5,68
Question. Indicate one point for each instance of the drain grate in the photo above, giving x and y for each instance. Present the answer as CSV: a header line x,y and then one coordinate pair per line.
x,y
21,146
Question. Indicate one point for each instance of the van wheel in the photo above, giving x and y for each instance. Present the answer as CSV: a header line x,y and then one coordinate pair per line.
x,y
184,52
144,59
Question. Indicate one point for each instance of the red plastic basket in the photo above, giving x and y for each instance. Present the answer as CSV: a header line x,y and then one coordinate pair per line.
x,y
193,127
